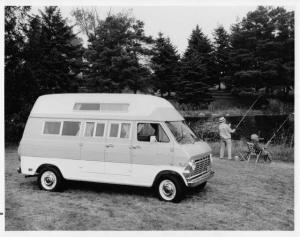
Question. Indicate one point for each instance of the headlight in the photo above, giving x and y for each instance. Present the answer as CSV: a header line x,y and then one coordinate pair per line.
x,y
192,164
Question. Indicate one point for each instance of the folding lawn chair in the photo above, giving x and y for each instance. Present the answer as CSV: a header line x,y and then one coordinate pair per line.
x,y
252,152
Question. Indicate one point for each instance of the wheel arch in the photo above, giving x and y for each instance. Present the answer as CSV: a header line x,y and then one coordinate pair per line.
x,y
166,173
41,167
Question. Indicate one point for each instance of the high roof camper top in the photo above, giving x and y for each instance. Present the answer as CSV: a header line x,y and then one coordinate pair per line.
x,y
105,106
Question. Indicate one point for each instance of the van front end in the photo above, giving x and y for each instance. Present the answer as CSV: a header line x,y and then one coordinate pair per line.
x,y
198,170
192,153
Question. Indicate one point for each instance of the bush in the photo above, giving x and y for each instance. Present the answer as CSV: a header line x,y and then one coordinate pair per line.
x,y
207,131
276,106
15,124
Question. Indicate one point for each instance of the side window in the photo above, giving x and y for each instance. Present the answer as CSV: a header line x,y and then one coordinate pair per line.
x,y
89,129
70,128
146,130
100,129
52,127
119,130
114,130
162,136
125,130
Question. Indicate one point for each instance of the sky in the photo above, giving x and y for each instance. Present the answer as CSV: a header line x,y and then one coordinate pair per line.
x,y
177,22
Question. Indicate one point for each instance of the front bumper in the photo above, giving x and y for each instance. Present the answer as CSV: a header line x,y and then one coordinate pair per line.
x,y
200,179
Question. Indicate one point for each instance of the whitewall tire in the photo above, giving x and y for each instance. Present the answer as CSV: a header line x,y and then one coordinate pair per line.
x,y
50,179
170,189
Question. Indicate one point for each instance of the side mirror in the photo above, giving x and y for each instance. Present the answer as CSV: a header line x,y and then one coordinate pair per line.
x,y
153,139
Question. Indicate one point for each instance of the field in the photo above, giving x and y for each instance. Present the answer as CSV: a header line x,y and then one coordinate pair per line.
x,y
241,196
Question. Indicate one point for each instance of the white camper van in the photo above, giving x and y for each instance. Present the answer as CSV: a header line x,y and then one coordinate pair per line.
x,y
113,138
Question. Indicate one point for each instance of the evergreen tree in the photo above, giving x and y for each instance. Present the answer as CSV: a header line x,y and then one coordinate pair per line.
x,y
283,44
165,64
197,70
263,49
116,55
42,56
15,23
222,51
53,54
16,84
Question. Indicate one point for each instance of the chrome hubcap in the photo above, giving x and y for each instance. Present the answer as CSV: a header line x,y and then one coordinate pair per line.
x,y
48,180
167,190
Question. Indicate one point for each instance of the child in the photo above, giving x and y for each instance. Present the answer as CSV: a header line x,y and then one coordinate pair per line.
x,y
259,148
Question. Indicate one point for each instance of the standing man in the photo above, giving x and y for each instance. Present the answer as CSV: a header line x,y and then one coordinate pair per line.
x,y
225,136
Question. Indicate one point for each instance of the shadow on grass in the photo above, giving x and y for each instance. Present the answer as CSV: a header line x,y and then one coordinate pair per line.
x,y
107,188
96,188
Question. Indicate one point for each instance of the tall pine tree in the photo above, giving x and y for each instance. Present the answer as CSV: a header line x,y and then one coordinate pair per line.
x,y
53,53
116,55
197,70
165,65
15,24
46,58
263,50
17,85
222,51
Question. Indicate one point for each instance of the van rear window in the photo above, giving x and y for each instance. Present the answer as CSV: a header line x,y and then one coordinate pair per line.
x,y
52,127
70,128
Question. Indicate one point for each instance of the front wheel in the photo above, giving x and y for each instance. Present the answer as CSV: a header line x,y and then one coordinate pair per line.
x,y
170,189
50,179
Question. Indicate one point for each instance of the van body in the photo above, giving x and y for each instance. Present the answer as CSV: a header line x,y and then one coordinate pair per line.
x,y
125,139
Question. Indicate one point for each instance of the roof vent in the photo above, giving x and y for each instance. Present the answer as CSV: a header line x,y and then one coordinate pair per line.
x,y
86,106
102,107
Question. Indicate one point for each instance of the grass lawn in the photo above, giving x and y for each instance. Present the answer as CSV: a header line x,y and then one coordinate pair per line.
x,y
241,196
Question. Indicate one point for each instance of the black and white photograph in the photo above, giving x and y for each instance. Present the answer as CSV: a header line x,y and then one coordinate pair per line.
x,y
140,116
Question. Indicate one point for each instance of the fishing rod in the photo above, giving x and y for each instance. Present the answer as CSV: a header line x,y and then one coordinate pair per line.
x,y
274,134
247,112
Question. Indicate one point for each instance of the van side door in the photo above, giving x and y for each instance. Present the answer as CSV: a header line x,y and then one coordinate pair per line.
x,y
149,156
117,148
92,149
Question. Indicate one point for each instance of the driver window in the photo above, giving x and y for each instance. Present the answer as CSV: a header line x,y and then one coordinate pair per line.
x,y
146,130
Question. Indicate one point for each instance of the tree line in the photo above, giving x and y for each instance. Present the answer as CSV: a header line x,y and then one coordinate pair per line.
x,y
44,55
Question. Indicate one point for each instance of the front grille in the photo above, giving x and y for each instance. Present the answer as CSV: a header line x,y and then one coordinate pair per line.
x,y
202,165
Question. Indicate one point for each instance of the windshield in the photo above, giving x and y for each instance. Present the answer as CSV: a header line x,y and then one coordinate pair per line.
x,y
182,133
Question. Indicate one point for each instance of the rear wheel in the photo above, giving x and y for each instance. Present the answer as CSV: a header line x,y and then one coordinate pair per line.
x,y
170,189
50,179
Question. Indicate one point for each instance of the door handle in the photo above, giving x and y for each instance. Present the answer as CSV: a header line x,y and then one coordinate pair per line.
x,y
109,145
134,147
80,144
